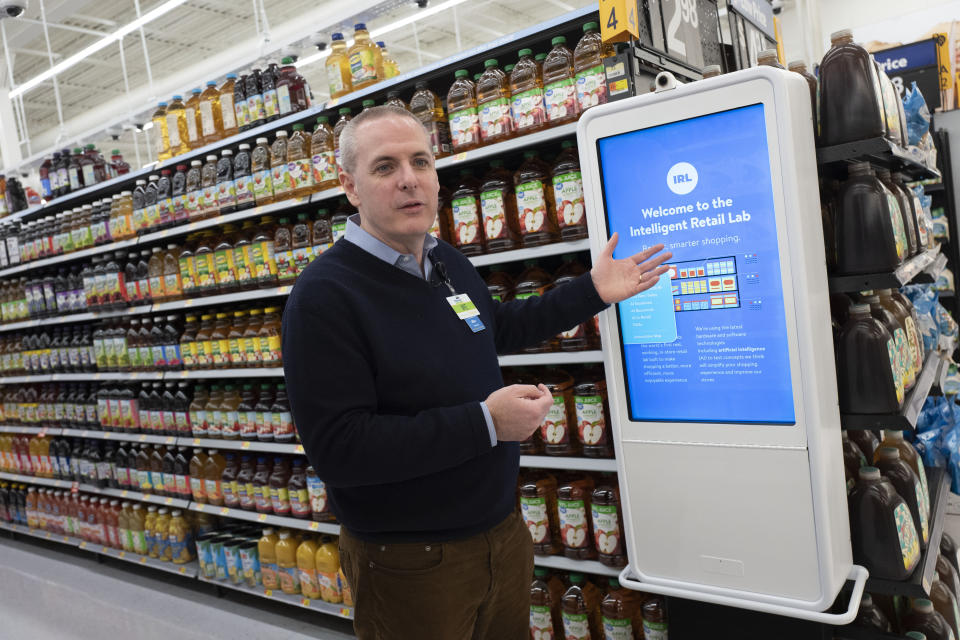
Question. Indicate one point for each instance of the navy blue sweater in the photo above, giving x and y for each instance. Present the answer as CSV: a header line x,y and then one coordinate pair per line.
x,y
385,385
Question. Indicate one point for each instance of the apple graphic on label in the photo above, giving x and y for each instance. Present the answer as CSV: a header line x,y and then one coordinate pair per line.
x,y
537,531
575,537
494,227
468,233
554,433
566,212
542,634
607,543
591,433
533,219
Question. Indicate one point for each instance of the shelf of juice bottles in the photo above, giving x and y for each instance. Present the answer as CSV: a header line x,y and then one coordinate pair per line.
x,y
912,403
569,463
518,360
923,267
266,518
39,533
582,566
878,151
277,595
176,503
918,585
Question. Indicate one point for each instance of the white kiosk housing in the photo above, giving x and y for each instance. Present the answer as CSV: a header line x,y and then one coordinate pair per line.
x,y
721,377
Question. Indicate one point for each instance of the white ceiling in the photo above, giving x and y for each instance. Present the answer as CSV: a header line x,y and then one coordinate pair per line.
x,y
197,31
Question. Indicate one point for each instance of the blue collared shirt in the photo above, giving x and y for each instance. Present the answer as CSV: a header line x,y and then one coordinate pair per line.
x,y
357,235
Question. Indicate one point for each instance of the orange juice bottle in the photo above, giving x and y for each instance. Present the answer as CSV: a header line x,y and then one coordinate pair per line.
x,y
211,118
227,108
267,550
428,108
462,110
366,61
328,570
177,127
324,159
287,571
192,114
307,569
338,67
299,163
345,588
591,80
279,173
559,84
526,89
212,474
162,138
493,104
197,464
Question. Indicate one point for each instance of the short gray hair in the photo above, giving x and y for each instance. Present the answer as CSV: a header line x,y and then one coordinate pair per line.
x,y
348,137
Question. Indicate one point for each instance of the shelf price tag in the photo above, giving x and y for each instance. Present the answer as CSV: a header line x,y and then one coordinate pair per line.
x,y
75,487
122,555
460,157
143,437
105,550
224,511
304,602
124,493
83,545
201,507
314,526
298,448
345,612
245,445
168,501
183,571
268,593
169,440
196,442
48,536
262,517
143,560
618,20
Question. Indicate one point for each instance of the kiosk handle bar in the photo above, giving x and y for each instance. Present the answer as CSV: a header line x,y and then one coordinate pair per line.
x,y
857,573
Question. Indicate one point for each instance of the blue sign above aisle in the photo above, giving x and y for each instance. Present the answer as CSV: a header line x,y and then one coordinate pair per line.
x,y
759,13
908,56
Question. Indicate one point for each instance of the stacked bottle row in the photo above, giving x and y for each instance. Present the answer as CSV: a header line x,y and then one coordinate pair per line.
x,y
575,514
935,617
872,221
365,63
287,560
879,350
573,606
253,99
63,172
157,532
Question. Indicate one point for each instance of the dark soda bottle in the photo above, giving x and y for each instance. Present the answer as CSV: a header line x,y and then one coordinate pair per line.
x,y
850,106
881,528
870,234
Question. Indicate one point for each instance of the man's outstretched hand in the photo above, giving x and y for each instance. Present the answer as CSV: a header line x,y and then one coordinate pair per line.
x,y
617,280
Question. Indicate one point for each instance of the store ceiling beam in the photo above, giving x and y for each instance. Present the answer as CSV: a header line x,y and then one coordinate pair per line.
x,y
65,27
88,18
56,11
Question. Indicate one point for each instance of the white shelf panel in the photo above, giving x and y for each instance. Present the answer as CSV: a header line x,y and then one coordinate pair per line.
x,y
517,144
560,462
559,357
339,610
326,194
40,533
266,518
254,446
582,566
67,257
189,569
47,482
518,255
120,436
17,428
226,298
125,494
108,376
200,374
40,377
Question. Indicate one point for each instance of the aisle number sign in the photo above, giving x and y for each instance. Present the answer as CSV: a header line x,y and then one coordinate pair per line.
x,y
618,20
681,24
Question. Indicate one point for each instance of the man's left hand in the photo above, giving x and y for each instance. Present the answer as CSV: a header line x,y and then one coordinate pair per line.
x,y
617,280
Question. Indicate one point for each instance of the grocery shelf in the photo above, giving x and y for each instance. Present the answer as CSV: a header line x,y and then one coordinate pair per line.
x,y
561,462
40,533
266,518
518,255
582,566
933,187
119,435
242,445
918,584
562,357
912,404
326,194
67,257
47,482
126,376
189,569
339,610
200,374
126,494
225,298
878,151
75,317
521,143
16,428
40,377
893,280
932,272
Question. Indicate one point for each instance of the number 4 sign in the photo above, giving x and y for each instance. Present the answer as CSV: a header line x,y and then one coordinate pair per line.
x,y
618,20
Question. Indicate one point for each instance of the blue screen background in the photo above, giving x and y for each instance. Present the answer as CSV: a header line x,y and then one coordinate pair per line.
x,y
712,346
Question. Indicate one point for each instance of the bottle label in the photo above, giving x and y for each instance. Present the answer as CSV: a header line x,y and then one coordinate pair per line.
x,y
334,78
263,259
576,626
532,207
228,111
591,87
923,505
192,125
244,187
268,572
226,193
494,214
363,66
206,271
606,528
568,194
271,106
213,490
208,199
560,98
541,623
534,511
207,125
464,127
466,225
655,630
74,179
188,273
282,424
895,370
324,167
194,203
899,233
289,579
255,109
554,427
171,353
495,118
907,534
242,113
302,256
171,284
591,422
196,487
573,523
283,100
280,500
528,110
439,133
923,483
308,582
173,132
280,177
301,173
916,343
224,267
262,184
300,502
88,176
318,494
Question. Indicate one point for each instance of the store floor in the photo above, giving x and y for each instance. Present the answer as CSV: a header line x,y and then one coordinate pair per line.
x,y
49,592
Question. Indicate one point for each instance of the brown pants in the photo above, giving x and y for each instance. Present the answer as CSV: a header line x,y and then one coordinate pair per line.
x,y
473,589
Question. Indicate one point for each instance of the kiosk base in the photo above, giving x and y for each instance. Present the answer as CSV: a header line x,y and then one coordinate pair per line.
x,y
693,620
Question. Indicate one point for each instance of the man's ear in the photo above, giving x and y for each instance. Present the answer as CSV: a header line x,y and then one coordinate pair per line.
x,y
349,188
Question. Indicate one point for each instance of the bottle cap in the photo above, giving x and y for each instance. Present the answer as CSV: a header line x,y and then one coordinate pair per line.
x,y
344,111
231,76
797,65
712,70
322,119
244,147
381,44
893,434
576,578
298,127
540,57
842,34
489,63
923,605
889,453
211,83
211,158
286,60
360,26
195,163
178,97
336,36
768,55
196,90
913,635
869,473
461,73
368,103
558,40
261,141
524,52
590,26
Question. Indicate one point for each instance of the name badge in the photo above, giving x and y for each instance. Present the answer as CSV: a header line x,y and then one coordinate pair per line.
x,y
463,306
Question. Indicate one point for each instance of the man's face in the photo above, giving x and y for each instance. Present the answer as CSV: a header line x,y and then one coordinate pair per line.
x,y
394,185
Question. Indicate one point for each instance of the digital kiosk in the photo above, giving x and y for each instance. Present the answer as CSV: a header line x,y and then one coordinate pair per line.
x,y
721,377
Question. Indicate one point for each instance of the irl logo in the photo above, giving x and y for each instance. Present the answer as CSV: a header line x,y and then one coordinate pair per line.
x,y
682,178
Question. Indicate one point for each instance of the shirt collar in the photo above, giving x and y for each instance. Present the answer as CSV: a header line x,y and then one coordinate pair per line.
x,y
359,236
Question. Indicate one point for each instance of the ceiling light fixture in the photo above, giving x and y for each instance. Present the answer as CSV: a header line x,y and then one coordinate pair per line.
x,y
393,26
103,42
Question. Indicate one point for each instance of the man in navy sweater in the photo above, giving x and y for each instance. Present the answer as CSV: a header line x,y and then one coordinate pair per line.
x,y
397,395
